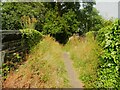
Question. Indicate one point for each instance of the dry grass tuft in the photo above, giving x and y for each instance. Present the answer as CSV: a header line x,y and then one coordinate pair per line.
x,y
44,68
83,51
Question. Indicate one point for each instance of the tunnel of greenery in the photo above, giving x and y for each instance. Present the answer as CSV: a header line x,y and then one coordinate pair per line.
x,y
95,42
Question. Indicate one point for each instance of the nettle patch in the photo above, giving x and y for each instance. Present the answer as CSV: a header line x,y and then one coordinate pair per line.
x,y
109,70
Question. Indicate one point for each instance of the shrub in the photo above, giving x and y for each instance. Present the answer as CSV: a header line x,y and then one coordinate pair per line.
x,y
109,70
61,28
31,37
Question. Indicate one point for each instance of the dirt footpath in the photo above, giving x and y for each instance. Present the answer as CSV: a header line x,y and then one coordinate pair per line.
x,y
73,77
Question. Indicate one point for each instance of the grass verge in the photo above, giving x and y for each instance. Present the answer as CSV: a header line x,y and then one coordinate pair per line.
x,y
44,68
84,53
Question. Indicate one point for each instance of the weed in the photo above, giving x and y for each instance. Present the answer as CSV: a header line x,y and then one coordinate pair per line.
x,y
85,60
44,68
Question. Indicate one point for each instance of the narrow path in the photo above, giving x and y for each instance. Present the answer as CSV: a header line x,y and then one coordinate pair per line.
x,y
73,77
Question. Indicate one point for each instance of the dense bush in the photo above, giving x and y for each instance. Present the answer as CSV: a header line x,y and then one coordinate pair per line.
x,y
61,28
60,19
31,37
109,70
13,11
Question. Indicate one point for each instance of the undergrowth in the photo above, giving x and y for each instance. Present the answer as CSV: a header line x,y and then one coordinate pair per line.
x,y
84,52
44,68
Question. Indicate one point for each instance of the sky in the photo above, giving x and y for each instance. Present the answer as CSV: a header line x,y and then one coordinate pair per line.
x,y
108,8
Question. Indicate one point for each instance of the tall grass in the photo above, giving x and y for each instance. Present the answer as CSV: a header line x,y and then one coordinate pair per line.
x,y
84,53
44,68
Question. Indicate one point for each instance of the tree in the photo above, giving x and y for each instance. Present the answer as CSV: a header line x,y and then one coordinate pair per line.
x,y
60,27
59,19
13,11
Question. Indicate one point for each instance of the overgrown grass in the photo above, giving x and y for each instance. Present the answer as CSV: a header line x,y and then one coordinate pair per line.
x,y
44,68
84,53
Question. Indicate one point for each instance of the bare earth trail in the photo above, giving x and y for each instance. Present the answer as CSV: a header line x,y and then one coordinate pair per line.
x,y
73,77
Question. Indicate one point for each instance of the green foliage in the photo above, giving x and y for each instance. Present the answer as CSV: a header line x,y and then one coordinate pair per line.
x,y
44,68
84,52
28,22
31,37
109,70
90,20
91,35
69,16
12,62
57,26
13,11
88,17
